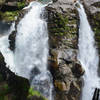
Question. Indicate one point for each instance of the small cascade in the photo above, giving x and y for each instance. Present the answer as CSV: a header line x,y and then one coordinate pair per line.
x,y
30,57
87,55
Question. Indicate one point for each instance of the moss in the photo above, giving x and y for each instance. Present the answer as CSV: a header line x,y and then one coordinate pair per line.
x,y
21,4
11,15
33,93
61,25
8,15
95,23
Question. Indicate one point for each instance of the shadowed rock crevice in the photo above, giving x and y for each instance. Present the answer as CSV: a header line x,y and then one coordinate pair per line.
x,y
12,84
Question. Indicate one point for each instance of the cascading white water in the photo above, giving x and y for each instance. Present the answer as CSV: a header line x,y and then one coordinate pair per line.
x,y
87,55
31,53
31,42
4,48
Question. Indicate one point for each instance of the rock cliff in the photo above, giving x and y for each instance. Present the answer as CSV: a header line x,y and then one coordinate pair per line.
x,y
63,22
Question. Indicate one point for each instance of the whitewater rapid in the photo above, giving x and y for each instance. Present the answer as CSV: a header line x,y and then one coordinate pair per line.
x,y
30,57
87,55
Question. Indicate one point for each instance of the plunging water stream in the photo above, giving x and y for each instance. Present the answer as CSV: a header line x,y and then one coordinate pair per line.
x,y
31,53
87,55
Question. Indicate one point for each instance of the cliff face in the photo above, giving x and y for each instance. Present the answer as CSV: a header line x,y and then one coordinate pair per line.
x,y
66,70
63,33
63,24
11,84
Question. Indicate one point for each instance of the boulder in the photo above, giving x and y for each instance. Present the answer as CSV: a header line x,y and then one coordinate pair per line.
x,y
12,38
67,74
77,69
60,85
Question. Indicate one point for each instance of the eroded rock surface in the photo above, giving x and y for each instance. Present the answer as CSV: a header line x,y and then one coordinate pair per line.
x,y
63,35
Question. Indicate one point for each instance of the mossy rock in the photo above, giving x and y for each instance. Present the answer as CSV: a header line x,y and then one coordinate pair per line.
x,y
21,5
11,84
10,15
62,26
59,24
35,95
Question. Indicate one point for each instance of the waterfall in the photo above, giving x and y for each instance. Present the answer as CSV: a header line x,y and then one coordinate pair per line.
x,y
31,53
87,55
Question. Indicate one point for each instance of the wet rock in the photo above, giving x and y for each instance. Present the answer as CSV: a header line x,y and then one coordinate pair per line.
x,y
10,9
13,87
62,6
62,25
12,38
77,69
92,5
11,83
60,85
53,59
68,72
68,55
36,98
74,93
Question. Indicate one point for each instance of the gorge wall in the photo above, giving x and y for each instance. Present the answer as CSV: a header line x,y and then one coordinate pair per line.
x,y
63,22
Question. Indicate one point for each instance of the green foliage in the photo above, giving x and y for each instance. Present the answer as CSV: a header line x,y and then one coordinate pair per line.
x,y
9,15
33,93
21,4
60,26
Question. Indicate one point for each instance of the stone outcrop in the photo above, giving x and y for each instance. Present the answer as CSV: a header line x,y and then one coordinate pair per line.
x,y
11,84
63,35
66,70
